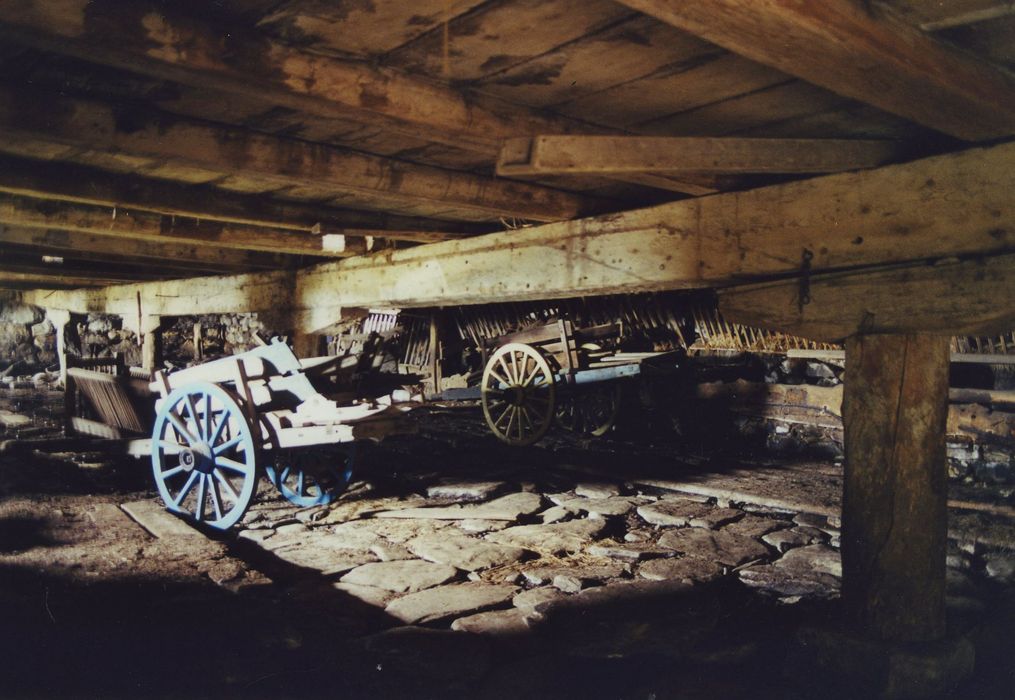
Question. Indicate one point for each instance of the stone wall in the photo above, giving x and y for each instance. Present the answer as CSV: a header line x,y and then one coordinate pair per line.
x,y
26,337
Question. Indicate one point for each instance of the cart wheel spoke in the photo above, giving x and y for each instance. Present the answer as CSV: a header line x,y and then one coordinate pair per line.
x,y
224,482
202,484
178,501
181,428
169,473
216,499
227,445
232,465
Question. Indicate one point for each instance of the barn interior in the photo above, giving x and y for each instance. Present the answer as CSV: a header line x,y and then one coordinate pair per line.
x,y
490,348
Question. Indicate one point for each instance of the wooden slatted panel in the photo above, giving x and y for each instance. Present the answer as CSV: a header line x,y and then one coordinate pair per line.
x,y
108,397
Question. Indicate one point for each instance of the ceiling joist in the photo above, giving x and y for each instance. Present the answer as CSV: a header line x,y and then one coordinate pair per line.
x,y
88,125
608,155
83,185
114,222
854,50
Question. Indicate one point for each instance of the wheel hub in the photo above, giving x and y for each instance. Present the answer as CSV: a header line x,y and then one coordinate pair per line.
x,y
516,395
197,457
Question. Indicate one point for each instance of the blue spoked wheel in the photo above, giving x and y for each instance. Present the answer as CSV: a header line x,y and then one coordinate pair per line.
x,y
315,478
203,455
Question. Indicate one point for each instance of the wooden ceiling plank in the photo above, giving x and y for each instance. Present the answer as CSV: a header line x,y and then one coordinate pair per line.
x,y
143,37
365,29
100,127
935,16
870,56
503,33
890,215
675,88
968,297
146,226
563,155
635,48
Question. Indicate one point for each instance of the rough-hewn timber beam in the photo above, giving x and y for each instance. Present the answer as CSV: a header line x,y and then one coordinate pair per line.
x,y
84,124
84,185
103,247
144,37
969,297
606,155
844,46
146,226
958,204
43,282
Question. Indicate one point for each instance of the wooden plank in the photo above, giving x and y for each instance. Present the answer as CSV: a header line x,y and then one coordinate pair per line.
x,y
144,37
895,490
562,155
285,162
630,49
876,217
117,222
751,111
103,247
854,51
974,297
503,33
935,16
365,29
675,88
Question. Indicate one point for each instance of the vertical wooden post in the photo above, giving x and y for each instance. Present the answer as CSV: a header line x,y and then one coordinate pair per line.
x,y
435,350
894,522
60,318
198,342
307,344
151,342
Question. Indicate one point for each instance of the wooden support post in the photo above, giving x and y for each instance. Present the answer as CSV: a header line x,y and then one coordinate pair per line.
x,y
307,344
435,350
198,342
151,342
60,318
894,519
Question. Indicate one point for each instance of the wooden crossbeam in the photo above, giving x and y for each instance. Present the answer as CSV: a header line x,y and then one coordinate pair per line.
x,y
969,297
145,37
117,273
43,281
146,226
607,155
85,124
850,48
98,247
84,185
889,215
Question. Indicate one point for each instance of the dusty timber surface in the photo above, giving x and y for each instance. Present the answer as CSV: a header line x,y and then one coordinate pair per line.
x,y
628,567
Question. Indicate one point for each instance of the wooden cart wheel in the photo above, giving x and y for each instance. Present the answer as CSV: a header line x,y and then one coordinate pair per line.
x,y
308,479
203,455
518,394
590,411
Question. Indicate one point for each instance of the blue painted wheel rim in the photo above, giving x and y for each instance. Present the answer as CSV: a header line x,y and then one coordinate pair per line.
x,y
307,488
203,455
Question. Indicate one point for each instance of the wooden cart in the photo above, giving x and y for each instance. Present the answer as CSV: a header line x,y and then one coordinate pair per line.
x,y
216,425
556,374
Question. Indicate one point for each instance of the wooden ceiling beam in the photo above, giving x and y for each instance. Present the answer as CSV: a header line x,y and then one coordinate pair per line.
x,y
144,37
76,183
968,297
947,206
855,50
609,155
115,222
21,280
89,125
93,246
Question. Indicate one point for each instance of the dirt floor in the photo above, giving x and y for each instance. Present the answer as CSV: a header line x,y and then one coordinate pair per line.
x,y
453,567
